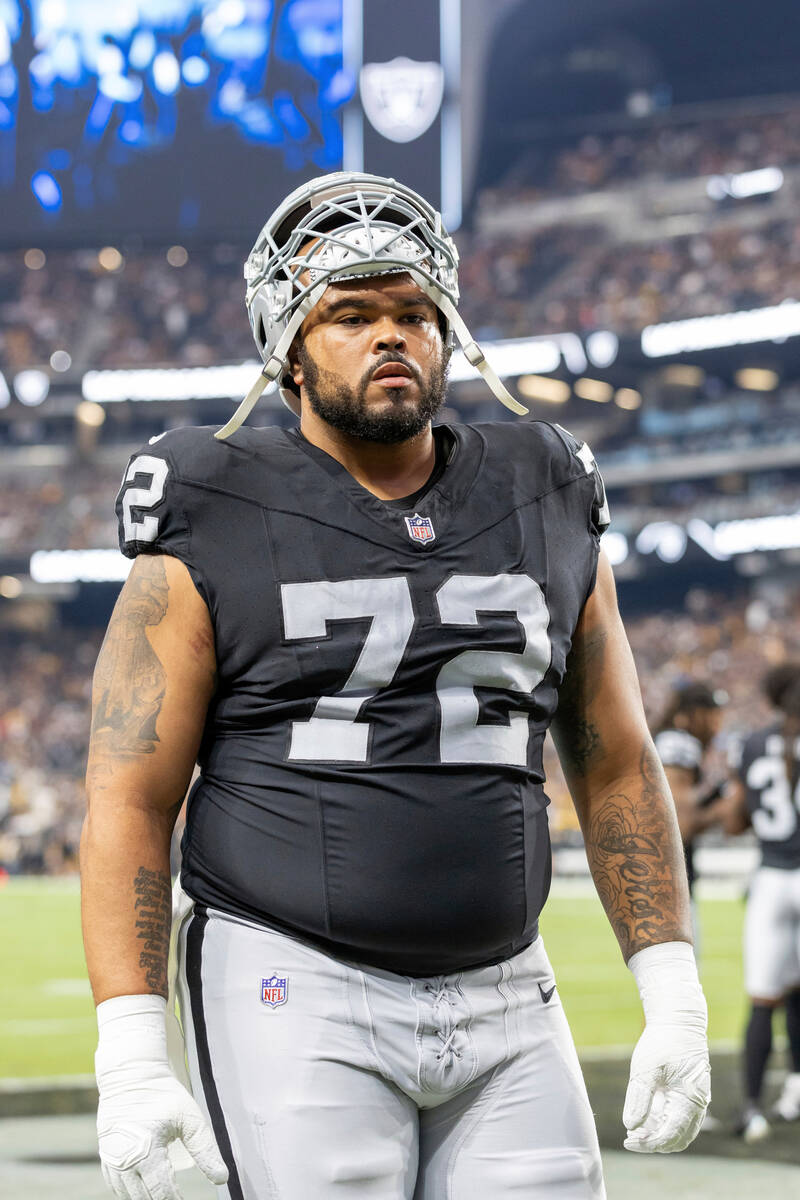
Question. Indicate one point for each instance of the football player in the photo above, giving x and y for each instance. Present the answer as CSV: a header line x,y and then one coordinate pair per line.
x,y
687,729
361,628
768,800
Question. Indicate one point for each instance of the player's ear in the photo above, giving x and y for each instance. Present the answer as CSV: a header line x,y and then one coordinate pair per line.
x,y
293,361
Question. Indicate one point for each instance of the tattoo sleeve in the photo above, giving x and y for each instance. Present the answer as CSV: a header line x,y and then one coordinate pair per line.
x,y
130,681
636,861
153,920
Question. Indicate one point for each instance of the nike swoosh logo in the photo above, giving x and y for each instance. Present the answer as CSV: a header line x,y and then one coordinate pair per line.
x,y
546,995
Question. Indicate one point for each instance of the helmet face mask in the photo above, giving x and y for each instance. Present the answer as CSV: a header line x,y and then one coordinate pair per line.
x,y
346,225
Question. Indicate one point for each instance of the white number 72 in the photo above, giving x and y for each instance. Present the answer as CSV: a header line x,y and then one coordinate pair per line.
x,y
332,734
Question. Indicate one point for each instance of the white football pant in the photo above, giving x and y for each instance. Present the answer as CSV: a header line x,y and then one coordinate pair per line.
x,y
772,933
324,1080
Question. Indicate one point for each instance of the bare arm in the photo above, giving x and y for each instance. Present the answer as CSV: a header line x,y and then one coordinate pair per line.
x,y
734,815
693,818
152,685
617,783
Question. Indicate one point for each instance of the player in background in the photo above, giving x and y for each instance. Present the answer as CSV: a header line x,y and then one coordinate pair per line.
x,y
687,728
766,796
362,628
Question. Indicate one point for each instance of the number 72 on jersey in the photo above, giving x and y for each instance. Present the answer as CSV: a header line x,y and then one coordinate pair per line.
x,y
332,733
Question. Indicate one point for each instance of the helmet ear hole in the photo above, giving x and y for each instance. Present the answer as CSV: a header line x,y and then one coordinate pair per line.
x,y
262,333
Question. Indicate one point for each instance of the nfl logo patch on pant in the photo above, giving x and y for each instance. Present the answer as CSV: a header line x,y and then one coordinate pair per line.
x,y
273,991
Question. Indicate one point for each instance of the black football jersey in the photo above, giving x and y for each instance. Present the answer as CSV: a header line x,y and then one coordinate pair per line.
x,y
371,767
772,800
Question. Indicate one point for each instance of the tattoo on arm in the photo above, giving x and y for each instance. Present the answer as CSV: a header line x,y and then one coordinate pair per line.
x,y
130,681
636,863
153,922
580,743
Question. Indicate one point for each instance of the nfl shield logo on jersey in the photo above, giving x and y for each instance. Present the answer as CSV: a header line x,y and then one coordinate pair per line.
x,y
273,991
420,529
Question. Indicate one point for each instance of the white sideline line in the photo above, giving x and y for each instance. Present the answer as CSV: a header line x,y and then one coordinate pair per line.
x,y
34,1026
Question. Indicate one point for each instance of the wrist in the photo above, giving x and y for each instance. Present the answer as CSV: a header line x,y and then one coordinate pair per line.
x,y
131,1032
668,983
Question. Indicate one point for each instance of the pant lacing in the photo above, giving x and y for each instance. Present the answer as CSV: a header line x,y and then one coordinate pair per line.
x,y
446,1035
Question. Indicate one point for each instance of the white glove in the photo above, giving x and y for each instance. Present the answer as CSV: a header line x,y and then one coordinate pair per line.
x,y
670,1083
142,1106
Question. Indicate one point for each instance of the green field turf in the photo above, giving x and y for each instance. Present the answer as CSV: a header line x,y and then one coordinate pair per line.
x,y
47,1019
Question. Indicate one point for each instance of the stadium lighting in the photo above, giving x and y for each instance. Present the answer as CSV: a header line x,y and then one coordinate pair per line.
x,y
110,258
166,73
514,356
90,414
5,395
757,379
46,190
120,88
749,535
60,361
758,533
195,70
79,566
684,375
774,323
593,389
602,347
177,256
628,398
10,587
540,387
35,259
745,184
666,538
164,383
615,547
31,387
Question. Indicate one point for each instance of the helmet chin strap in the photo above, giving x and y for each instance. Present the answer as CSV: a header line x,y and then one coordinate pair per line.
x,y
276,364
473,353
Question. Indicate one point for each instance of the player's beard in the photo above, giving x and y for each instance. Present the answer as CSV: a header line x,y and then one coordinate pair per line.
x,y
345,408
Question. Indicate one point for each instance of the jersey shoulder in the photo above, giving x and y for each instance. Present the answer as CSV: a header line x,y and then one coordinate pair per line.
x,y
544,456
677,748
767,741
164,479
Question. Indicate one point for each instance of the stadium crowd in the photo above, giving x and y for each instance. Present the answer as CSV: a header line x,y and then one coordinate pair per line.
x,y
661,148
140,305
564,277
45,691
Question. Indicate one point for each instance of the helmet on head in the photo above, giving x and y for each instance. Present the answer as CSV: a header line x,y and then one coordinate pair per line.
x,y
346,225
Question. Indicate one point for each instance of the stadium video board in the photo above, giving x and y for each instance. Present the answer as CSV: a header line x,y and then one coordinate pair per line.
x,y
190,119
164,118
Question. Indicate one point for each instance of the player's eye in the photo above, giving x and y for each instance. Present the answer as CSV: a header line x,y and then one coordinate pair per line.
x,y
352,319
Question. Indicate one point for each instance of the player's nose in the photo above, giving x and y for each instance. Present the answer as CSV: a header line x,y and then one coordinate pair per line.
x,y
388,335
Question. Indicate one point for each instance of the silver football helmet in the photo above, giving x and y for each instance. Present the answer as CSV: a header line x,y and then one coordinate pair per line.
x,y
343,226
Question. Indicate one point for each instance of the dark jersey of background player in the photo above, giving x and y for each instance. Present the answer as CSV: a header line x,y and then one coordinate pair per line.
x,y
387,672
770,772
768,800
687,729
